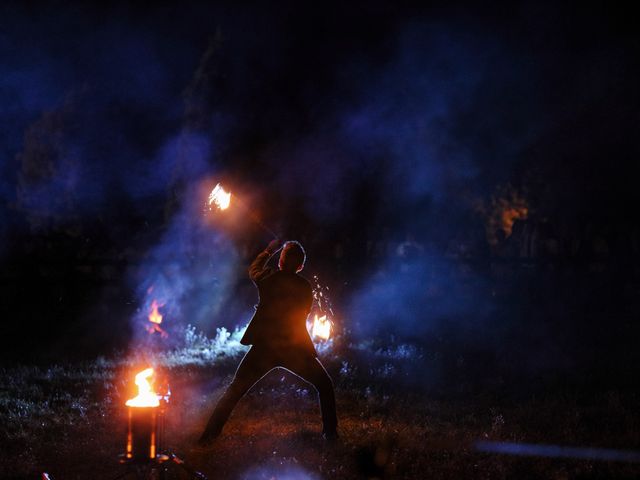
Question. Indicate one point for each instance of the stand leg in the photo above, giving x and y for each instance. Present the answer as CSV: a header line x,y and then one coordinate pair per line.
x,y
158,469
187,468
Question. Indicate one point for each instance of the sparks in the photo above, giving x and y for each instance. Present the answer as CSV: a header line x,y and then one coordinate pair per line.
x,y
219,197
146,396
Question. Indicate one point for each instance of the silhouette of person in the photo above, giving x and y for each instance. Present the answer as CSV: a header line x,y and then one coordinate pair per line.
x,y
278,337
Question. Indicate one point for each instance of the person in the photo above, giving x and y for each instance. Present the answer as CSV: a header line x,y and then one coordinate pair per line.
x,y
278,337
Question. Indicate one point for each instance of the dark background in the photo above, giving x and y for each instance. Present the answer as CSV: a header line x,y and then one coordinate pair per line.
x,y
392,139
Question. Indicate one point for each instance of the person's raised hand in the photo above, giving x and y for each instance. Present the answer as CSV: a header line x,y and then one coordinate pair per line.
x,y
274,246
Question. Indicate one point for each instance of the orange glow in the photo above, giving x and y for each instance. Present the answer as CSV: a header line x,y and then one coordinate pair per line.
x,y
321,327
146,396
220,197
507,205
510,214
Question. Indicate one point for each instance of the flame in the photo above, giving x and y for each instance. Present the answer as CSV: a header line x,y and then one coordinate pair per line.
x,y
321,327
506,206
220,197
155,316
510,214
155,319
146,396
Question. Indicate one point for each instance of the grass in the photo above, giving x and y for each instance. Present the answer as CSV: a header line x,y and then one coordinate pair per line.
x,y
69,420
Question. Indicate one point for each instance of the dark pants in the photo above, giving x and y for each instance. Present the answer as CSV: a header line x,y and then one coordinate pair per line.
x,y
256,364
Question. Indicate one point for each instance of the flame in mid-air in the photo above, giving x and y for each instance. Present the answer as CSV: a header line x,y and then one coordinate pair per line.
x,y
155,316
321,327
220,197
146,396
155,319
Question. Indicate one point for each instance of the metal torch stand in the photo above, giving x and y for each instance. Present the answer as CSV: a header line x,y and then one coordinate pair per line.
x,y
158,468
161,466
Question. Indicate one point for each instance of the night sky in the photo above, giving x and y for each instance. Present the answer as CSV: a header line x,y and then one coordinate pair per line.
x,y
341,126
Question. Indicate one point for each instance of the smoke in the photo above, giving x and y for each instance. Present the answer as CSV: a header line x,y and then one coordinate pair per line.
x,y
409,111
402,147
419,125
285,472
363,129
189,273
406,156
415,296
86,105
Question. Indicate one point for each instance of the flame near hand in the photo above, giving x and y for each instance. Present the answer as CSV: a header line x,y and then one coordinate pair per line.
x,y
321,327
220,197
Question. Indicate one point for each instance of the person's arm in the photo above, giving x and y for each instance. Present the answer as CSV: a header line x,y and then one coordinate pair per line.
x,y
258,268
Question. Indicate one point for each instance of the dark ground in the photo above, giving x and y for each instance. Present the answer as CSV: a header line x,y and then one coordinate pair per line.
x,y
70,420
543,368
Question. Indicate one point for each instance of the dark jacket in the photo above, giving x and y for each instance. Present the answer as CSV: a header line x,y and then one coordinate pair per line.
x,y
285,301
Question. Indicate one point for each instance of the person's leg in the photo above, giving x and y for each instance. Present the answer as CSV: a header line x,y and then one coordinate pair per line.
x,y
310,369
255,365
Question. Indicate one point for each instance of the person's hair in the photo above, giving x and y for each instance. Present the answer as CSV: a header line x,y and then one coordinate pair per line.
x,y
292,257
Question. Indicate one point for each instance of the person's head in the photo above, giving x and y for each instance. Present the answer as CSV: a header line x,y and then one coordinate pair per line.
x,y
292,257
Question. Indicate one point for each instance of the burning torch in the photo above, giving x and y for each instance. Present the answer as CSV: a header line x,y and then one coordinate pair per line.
x,y
142,435
145,432
221,199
